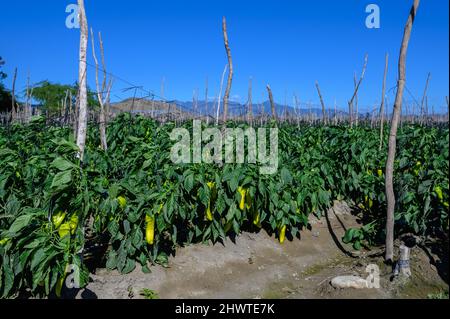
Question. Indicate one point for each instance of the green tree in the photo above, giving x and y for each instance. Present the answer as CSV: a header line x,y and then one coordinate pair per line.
x,y
5,96
51,95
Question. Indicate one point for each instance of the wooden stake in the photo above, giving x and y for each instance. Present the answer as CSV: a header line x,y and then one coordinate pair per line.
x,y
324,117
356,101
220,94
82,81
272,103
424,96
350,103
230,73
383,93
13,96
100,98
206,102
250,105
390,196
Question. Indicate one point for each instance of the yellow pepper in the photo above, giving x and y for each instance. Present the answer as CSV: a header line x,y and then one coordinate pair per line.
x,y
122,202
380,173
60,282
58,218
257,219
64,230
368,201
150,229
73,224
248,200
4,241
242,191
209,215
282,234
438,191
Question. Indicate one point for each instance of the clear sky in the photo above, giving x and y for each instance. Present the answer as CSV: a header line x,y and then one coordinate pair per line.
x,y
289,44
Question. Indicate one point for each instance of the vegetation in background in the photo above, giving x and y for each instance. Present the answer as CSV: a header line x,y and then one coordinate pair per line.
x,y
52,96
5,96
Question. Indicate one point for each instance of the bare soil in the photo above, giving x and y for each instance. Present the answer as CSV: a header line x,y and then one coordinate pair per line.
x,y
256,266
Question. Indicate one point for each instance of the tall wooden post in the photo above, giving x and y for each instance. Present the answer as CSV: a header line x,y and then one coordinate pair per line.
x,y
230,72
390,196
82,81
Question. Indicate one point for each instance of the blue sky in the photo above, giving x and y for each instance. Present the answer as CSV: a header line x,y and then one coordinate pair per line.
x,y
289,44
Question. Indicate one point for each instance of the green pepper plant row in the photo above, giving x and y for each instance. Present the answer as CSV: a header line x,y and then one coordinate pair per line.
x,y
146,206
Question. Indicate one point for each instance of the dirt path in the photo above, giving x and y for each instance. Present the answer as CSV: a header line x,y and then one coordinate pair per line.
x,y
257,266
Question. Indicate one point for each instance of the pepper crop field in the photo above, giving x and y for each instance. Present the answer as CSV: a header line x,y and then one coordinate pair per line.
x,y
141,206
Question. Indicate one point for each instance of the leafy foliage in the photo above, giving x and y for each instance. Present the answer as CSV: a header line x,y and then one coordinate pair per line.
x,y
51,95
48,198
5,96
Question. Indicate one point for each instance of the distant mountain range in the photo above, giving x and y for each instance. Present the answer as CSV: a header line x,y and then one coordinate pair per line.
x,y
201,108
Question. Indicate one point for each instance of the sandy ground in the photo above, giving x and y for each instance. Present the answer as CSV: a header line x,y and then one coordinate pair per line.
x,y
257,266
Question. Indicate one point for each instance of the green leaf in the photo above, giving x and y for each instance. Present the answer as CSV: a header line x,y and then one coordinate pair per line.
x,y
8,279
234,182
111,262
62,164
357,245
20,223
189,183
286,176
61,181
137,238
348,236
38,257
129,266
126,227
